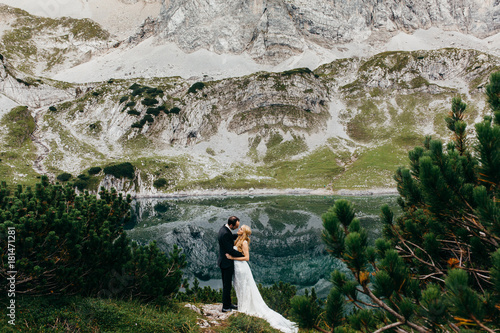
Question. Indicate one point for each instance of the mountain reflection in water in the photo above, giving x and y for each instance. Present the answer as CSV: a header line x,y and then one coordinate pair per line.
x,y
286,233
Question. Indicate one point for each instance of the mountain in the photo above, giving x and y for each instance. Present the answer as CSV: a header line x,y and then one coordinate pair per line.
x,y
274,30
345,124
220,39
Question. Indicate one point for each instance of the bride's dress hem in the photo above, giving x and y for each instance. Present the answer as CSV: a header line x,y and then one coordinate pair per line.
x,y
251,303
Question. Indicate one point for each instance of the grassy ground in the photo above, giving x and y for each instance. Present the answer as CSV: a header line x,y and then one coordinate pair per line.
x,y
78,314
373,168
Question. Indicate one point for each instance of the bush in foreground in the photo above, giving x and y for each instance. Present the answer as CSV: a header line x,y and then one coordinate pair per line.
x,y
437,269
75,244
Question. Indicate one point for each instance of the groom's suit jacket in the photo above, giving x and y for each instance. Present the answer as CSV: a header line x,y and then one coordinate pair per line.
x,y
226,243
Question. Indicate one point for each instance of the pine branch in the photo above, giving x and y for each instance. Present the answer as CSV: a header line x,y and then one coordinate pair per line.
x,y
413,255
481,324
425,277
387,308
387,327
320,329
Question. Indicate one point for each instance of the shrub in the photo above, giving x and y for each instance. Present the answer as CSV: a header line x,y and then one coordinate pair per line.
x,y
153,111
20,124
160,182
94,170
303,70
149,101
130,104
195,87
121,170
149,118
305,310
137,124
64,177
124,99
133,112
80,184
438,265
97,126
154,91
198,294
75,244
137,91
134,86
175,110
52,108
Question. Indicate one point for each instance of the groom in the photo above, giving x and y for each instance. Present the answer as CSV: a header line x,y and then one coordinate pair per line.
x,y
226,243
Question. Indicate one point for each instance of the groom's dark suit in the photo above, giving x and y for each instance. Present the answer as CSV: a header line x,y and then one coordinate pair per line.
x,y
226,243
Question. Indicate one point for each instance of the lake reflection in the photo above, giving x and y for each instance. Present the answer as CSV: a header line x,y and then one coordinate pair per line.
x,y
286,233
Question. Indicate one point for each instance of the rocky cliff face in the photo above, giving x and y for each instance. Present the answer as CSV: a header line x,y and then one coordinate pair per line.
x,y
273,30
214,134
31,91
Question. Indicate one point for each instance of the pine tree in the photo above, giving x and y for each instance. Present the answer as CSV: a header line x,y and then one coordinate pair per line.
x,y
75,244
437,269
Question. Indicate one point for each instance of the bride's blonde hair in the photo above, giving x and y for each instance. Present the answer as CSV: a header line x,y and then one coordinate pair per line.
x,y
245,236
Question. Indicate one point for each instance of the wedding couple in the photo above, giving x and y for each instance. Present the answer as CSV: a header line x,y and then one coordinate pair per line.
x,y
233,260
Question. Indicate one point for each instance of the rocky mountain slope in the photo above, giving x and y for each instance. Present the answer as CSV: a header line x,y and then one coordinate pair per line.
x,y
273,30
153,38
345,124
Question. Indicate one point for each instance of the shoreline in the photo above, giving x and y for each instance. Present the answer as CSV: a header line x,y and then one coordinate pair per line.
x,y
266,191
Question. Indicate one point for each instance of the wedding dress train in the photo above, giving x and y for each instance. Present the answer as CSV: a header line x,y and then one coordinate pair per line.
x,y
250,301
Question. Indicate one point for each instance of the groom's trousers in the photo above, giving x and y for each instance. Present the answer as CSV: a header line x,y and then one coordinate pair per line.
x,y
227,281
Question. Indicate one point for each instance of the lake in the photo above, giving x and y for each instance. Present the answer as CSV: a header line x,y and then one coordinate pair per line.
x,y
286,233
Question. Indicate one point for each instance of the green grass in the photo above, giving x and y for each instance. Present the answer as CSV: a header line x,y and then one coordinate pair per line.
x,y
277,149
373,168
153,168
316,169
252,151
241,323
17,151
78,314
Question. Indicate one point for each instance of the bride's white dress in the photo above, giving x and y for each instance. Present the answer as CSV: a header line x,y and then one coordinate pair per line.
x,y
250,301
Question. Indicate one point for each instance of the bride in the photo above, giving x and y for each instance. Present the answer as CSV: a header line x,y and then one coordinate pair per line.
x,y
249,299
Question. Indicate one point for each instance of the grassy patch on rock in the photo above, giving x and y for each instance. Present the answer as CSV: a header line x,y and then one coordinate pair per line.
x,y
314,170
373,168
17,151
